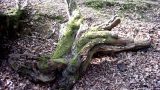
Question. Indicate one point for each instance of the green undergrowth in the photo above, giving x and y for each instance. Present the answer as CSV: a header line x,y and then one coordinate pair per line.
x,y
136,7
124,6
98,4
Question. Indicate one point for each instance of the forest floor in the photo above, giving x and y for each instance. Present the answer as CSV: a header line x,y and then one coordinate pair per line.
x,y
131,70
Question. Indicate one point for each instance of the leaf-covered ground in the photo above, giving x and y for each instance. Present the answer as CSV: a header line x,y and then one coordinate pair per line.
x,y
132,70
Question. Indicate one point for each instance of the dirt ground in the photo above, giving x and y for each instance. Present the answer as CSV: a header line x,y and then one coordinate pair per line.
x,y
132,70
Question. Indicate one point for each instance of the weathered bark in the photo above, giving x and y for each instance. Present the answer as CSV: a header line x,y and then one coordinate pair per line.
x,y
66,63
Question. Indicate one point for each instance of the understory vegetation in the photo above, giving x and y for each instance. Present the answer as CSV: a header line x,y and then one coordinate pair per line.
x,y
138,6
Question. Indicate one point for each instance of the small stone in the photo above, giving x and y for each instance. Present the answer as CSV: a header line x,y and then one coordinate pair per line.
x,y
122,67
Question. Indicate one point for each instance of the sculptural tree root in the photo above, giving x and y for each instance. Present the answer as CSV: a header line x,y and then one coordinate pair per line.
x,y
67,63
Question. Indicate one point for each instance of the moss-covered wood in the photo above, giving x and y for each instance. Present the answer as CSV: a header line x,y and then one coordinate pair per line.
x,y
66,64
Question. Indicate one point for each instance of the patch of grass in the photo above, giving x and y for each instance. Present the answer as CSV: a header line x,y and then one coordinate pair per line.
x,y
125,5
138,7
98,4
133,6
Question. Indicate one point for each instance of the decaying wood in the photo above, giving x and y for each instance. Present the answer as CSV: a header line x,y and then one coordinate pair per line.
x,y
65,64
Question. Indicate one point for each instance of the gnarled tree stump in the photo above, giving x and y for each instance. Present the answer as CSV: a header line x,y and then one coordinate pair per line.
x,y
67,62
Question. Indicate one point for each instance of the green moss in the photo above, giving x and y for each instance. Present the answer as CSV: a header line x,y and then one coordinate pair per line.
x,y
95,28
88,36
89,43
73,65
43,62
60,60
74,60
65,44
